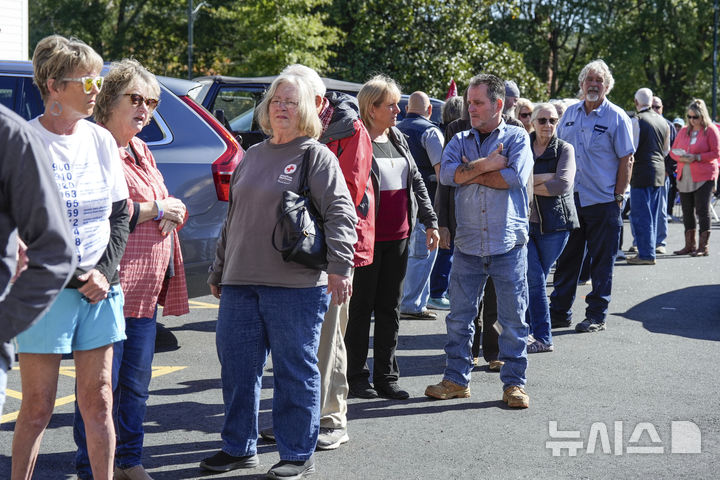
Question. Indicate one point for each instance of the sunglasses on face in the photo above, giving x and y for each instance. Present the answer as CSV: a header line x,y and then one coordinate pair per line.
x,y
136,100
543,121
693,117
656,107
525,115
87,82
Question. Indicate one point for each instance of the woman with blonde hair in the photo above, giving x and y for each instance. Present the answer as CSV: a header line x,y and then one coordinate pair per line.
x,y
523,112
696,150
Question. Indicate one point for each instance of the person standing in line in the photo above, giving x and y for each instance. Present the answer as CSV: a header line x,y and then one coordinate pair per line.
x,y
426,145
601,133
38,220
669,188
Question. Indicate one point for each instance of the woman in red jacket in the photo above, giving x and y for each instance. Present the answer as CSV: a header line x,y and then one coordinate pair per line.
x,y
696,150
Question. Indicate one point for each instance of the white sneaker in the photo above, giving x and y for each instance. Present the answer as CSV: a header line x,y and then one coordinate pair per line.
x,y
331,438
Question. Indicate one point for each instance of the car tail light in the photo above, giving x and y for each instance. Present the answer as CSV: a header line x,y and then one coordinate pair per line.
x,y
224,166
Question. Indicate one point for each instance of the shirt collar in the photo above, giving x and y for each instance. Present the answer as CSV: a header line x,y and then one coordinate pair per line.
x,y
600,110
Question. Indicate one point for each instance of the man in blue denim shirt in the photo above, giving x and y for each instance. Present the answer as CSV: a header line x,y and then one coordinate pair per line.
x,y
601,133
491,207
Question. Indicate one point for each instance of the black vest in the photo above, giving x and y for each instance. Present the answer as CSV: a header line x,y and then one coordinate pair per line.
x,y
649,165
414,126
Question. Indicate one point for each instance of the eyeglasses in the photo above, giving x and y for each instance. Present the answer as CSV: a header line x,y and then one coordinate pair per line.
x,y
543,121
693,117
87,82
525,115
284,104
136,100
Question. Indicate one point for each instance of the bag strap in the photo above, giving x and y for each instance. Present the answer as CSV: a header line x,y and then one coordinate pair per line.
x,y
303,187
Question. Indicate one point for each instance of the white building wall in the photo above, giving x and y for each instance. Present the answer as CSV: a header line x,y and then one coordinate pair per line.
x,y
14,29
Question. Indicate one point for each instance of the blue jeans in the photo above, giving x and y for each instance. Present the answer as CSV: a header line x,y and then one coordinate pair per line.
x,y
662,221
543,250
467,282
645,205
598,237
254,320
440,276
416,288
132,371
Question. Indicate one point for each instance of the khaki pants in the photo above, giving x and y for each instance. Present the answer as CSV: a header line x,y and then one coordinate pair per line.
x,y
332,363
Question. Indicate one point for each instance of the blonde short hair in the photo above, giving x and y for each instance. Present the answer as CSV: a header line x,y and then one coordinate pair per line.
x,y
58,57
373,93
308,120
122,75
522,103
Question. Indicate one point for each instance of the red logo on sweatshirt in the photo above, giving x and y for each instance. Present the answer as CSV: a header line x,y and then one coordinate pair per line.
x,y
290,169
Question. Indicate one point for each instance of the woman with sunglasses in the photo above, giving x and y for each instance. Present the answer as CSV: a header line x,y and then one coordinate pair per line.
x,y
696,150
523,112
151,270
87,317
552,216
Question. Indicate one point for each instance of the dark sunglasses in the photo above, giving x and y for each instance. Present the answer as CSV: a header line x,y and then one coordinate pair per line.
x,y
656,107
693,117
525,115
136,100
543,121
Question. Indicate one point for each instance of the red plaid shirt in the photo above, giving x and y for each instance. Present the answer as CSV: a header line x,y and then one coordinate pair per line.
x,y
147,255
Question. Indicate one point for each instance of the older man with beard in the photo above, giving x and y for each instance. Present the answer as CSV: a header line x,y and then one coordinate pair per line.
x,y
601,133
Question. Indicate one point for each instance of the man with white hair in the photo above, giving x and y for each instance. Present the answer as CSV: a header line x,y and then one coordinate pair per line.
x,y
601,133
651,137
346,136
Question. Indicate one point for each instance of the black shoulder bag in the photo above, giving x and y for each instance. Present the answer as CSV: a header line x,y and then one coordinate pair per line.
x,y
299,229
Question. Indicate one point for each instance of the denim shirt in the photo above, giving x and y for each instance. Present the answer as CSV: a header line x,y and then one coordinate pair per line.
x,y
490,221
601,138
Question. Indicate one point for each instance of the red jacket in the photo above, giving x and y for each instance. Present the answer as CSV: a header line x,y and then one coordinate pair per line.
x,y
347,137
707,146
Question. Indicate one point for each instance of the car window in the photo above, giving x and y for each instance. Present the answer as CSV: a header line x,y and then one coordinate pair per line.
x,y
31,104
7,86
151,132
238,108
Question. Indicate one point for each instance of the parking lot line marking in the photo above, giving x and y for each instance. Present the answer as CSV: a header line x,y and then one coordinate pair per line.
x,y
70,372
197,304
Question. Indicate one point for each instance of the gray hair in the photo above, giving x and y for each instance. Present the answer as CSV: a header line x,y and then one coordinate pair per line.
x,y
307,74
495,86
644,97
601,67
58,57
308,120
539,107
453,109
122,75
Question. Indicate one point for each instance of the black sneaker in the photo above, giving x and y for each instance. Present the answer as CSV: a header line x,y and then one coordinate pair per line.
x,y
588,325
362,390
424,315
223,462
291,470
560,322
392,391
268,435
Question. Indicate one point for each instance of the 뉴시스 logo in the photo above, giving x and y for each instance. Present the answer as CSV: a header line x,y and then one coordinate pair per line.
x,y
685,437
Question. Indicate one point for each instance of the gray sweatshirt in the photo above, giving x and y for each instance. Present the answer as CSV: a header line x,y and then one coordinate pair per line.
x,y
31,208
245,254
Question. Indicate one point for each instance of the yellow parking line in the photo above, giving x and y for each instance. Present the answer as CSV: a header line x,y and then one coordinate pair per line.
x,y
197,304
70,372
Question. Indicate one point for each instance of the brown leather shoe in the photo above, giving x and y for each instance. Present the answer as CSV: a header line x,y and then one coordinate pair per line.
x,y
133,473
447,389
495,365
516,397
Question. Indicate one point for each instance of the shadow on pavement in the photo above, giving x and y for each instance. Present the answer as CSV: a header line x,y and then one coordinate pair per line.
x,y
414,406
692,312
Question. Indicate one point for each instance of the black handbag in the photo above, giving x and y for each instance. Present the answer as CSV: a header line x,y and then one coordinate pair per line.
x,y
298,234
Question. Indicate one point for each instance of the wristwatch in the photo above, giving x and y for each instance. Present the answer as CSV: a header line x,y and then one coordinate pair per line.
x,y
619,197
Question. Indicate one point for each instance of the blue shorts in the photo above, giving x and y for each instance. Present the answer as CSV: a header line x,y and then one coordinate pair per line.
x,y
72,323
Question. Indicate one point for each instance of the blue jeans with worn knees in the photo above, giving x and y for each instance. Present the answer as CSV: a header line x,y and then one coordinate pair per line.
x,y
543,250
440,275
254,320
416,287
662,221
645,205
131,374
467,280
598,237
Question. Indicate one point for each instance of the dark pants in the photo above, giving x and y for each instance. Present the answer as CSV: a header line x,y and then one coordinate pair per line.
x,y
489,312
697,202
440,276
598,237
376,288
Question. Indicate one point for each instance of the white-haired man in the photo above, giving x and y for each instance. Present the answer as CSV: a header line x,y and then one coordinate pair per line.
x,y
651,136
601,133
346,136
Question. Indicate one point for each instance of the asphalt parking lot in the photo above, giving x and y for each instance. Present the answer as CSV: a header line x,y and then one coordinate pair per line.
x,y
633,401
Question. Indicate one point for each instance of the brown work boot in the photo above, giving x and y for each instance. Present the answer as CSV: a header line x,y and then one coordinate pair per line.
x,y
703,250
689,244
516,397
447,389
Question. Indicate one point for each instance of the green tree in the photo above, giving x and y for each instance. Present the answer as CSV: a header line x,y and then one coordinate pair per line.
x,y
422,44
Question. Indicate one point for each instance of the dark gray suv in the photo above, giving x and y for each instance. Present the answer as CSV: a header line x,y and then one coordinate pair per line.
x,y
194,152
